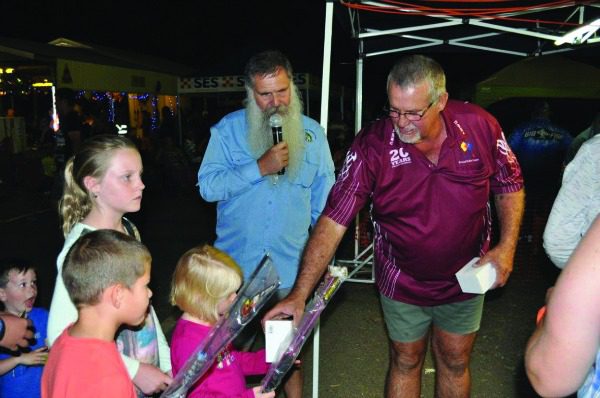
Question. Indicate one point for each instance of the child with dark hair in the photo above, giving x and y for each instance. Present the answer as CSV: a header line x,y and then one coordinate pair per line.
x,y
21,370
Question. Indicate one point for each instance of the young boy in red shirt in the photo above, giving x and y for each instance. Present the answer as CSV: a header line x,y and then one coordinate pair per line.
x,y
106,274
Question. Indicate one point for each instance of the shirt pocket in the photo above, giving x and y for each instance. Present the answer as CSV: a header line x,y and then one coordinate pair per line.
x,y
307,174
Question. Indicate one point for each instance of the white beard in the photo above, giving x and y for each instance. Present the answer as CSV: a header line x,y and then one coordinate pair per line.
x,y
414,138
260,138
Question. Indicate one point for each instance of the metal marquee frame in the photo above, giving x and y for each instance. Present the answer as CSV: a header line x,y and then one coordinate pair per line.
x,y
387,26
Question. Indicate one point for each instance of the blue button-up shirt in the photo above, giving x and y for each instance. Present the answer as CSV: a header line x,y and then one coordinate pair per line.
x,y
254,215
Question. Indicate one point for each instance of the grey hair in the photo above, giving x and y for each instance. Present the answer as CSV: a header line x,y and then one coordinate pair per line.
x,y
414,69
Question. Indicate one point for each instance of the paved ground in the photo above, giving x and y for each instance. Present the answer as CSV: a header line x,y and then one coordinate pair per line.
x,y
353,348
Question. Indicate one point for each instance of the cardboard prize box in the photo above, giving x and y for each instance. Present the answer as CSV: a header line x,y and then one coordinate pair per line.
x,y
476,280
278,333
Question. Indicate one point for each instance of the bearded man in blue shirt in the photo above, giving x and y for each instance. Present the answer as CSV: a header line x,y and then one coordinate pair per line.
x,y
268,194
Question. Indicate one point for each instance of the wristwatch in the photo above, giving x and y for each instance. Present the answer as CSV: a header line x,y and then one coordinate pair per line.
x,y
2,328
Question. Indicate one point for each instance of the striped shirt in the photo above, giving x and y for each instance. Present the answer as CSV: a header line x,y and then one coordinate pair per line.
x,y
429,219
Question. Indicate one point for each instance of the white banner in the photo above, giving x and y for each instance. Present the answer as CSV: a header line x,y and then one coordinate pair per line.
x,y
233,83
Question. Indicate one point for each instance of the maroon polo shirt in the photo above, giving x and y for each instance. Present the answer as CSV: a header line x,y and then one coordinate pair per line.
x,y
429,220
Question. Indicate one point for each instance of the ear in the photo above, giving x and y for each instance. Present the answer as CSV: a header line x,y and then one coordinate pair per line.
x,y
91,184
232,297
2,294
115,295
442,101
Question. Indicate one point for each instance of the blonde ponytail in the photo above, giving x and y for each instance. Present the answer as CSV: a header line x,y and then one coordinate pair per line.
x,y
75,202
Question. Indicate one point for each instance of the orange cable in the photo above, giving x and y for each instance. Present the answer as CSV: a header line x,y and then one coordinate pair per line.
x,y
490,13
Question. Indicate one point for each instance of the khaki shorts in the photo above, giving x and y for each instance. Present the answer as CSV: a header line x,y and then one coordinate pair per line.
x,y
407,323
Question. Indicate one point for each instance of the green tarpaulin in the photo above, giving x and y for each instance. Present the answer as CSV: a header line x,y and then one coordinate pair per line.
x,y
549,76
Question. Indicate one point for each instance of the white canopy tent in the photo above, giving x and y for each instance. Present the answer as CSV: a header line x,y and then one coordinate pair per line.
x,y
387,26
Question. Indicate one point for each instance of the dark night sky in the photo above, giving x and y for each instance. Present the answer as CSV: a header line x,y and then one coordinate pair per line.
x,y
216,37
205,34
200,33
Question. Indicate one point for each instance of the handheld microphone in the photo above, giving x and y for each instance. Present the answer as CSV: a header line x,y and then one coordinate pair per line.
x,y
275,123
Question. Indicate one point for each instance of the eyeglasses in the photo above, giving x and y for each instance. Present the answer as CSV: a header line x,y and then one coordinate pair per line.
x,y
412,116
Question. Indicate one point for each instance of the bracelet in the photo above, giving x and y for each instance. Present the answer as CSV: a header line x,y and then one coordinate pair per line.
x,y
540,315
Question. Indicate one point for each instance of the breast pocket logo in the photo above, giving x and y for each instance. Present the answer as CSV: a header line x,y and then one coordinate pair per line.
x,y
398,157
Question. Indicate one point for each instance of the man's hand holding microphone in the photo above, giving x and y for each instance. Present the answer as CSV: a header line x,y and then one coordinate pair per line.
x,y
276,158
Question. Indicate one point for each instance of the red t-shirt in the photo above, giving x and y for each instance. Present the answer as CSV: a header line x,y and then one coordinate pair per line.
x,y
82,367
429,220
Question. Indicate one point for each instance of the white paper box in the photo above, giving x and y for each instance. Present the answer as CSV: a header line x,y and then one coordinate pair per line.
x,y
278,333
476,280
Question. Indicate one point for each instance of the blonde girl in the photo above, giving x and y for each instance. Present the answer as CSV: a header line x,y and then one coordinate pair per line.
x,y
204,286
103,181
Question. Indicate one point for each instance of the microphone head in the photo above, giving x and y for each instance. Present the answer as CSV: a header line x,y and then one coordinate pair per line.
x,y
275,120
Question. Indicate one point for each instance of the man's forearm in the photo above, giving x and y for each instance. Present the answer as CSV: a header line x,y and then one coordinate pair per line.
x,y
319,251
510,208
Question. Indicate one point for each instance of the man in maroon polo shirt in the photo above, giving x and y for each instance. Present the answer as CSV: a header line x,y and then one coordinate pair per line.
x,y
428,168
